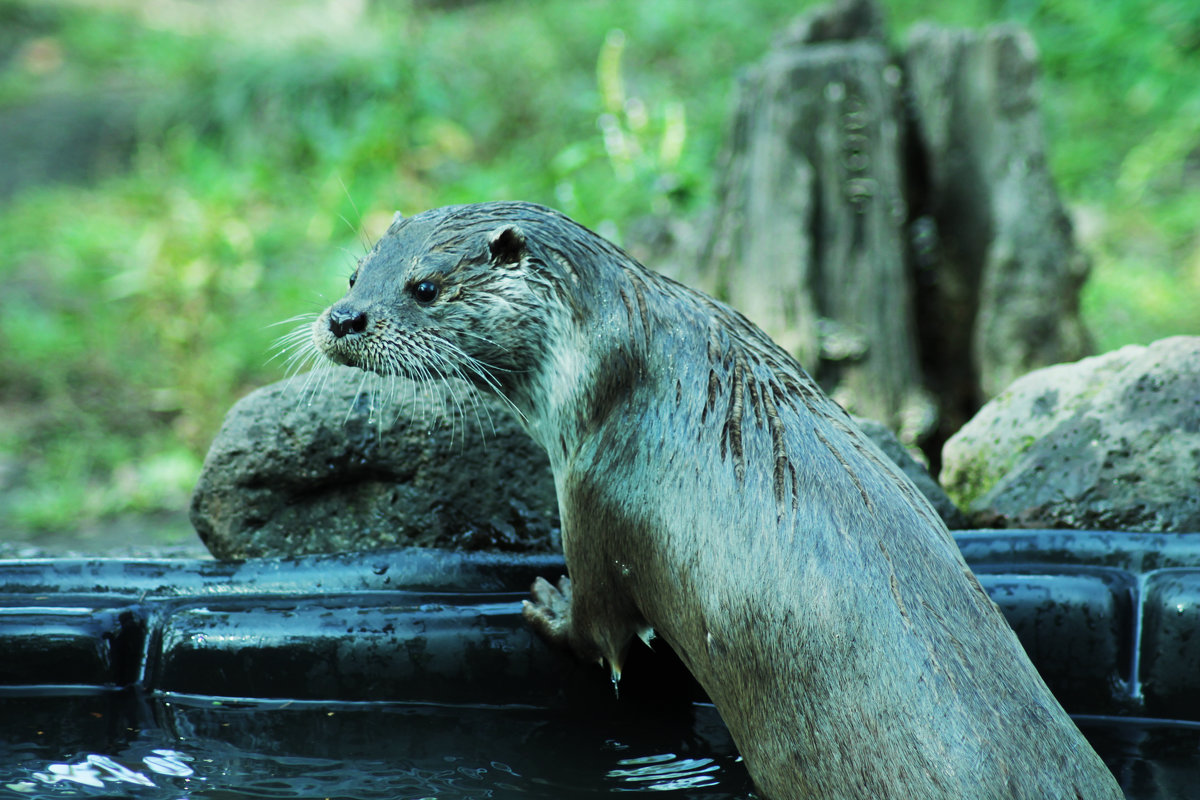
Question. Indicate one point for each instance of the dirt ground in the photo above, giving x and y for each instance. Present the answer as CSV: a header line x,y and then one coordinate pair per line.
x,y
163,534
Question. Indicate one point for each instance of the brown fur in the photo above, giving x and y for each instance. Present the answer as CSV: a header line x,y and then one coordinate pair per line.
x,y
710,491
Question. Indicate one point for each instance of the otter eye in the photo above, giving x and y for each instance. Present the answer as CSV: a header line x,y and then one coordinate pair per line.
x,y
353,278
425,292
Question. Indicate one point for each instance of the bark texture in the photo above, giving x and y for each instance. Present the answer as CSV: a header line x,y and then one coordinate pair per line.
x,y
890,218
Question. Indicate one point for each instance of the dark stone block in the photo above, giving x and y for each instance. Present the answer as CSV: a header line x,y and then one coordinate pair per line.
x,y
1076,628
1170,666
70,644
354,647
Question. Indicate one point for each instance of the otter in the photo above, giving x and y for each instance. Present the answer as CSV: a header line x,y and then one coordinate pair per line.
x,y
712,495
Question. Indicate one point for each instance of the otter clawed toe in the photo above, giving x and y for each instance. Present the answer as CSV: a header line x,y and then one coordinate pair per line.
x,y
549,613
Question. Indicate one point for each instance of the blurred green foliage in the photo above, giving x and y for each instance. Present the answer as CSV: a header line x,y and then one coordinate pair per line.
x,y
273,140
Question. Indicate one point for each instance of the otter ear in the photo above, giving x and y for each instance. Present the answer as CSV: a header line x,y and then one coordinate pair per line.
x,y
506,245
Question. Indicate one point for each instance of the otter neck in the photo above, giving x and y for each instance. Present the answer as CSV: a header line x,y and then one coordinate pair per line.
x,y
590,370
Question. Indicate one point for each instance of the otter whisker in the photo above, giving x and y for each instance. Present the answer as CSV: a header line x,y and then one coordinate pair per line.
x,y
368,387
298,346
458,418
446,371
386,365
487,341
473,397
464,365
301,354
455,374
411,364
292,341
362,389
483,372
348,251
357,229
315,381
307,317
475,400
302,358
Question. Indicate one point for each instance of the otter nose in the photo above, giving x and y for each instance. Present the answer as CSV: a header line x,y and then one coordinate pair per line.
x,y
344,321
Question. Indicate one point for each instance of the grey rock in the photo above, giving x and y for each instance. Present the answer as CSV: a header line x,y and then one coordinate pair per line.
x,y
891,446
1109,442
307,466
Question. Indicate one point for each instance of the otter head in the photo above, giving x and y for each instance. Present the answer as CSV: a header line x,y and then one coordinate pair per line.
x,y
444,294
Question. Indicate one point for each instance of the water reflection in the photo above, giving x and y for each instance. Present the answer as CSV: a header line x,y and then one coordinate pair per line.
x,y
160,748
155,748
666,772
97,770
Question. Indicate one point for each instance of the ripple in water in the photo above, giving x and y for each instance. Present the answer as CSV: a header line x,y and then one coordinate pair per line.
x,y
665,773
97,771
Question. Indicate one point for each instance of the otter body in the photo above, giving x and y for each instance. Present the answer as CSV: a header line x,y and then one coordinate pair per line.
x,y
710,492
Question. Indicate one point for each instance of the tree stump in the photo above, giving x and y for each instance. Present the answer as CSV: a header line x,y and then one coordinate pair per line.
x,y
890,220
1005,265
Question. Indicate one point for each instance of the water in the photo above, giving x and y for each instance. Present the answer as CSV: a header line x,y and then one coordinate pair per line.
x,y
1152,759
126,744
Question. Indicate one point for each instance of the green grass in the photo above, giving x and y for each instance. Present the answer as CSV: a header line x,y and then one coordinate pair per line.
x,y
136,309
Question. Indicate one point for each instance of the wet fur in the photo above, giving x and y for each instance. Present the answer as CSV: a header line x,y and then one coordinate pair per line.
x,y
710,491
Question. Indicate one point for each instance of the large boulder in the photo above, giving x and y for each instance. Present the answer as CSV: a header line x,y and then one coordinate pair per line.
x,y
316,464
1109,442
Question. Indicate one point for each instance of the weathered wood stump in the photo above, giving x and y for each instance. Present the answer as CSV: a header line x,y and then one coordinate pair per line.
x,y
890,219
1001,262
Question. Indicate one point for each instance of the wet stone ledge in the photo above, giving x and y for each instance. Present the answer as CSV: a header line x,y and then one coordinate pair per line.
x,y
1112,620
1077,627
1170,663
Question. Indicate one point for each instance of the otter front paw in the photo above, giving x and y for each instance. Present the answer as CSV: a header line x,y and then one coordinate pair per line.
x,y
550,612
